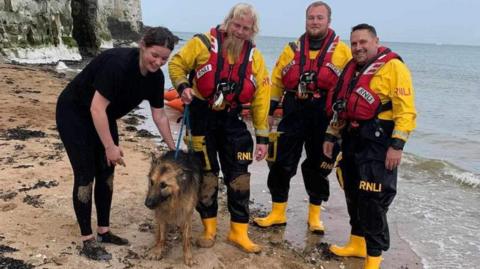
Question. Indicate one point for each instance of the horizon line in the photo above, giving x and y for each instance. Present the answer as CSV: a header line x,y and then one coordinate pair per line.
x,y
389,41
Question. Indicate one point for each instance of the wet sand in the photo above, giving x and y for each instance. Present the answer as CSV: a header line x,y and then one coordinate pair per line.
x,y
38,225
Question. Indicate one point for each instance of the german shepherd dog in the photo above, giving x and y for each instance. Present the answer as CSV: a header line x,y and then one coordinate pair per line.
x,y
173,193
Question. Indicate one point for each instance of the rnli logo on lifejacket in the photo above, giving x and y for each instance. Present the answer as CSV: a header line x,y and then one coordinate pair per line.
x,y
370,186
244,156
332,47
325,165
207,68
334,68
365,95
287,67
214,45
373,68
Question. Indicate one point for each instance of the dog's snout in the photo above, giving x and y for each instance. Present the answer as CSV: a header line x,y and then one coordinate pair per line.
x,y
150,203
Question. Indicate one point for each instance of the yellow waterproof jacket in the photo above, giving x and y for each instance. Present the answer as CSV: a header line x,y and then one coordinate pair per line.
x,y
194,54
393,82
340,58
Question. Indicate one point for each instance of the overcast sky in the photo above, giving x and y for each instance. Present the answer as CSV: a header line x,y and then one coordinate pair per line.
x,y
420,21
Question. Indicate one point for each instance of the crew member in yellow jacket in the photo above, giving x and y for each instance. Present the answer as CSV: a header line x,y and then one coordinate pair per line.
x,y
304,73
374,113
215,73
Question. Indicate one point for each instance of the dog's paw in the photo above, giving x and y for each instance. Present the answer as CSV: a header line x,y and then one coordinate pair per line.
x,y
155,254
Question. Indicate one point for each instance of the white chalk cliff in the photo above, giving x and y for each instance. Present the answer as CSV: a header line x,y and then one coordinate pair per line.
x,y
46,31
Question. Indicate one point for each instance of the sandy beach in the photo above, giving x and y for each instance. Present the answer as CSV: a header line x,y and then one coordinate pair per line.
x,y
38,226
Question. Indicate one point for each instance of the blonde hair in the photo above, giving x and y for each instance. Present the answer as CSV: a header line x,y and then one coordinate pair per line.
x,y
238,11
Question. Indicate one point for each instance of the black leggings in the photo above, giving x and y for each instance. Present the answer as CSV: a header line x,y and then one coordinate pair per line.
x,y
88,160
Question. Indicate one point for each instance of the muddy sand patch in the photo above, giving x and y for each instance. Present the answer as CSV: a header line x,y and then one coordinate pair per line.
x,y
145,133
40,184
11,263
20,133
34,200
7,195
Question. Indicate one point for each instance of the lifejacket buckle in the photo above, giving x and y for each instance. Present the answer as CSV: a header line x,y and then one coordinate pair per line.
x,y
226,87
223,87
302,91
306,81
334,117
337,107
308,77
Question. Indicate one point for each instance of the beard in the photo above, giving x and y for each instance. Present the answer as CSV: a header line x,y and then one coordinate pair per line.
x,y
317,33
233,46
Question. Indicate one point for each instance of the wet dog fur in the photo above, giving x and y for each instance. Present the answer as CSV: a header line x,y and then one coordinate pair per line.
x,y
173,194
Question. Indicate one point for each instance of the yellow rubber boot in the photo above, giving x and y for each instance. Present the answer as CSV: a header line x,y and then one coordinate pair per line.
x,y
315,225
356,247
372,262
278,216
238,235
207,239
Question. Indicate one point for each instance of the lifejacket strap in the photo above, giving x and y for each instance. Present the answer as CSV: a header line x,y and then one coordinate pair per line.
x,y
205,40
386,106
293,46
242,71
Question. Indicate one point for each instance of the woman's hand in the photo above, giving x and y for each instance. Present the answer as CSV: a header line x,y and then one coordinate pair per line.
x,y
114,155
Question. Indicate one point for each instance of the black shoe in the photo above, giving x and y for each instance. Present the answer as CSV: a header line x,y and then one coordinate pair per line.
x,y
94,251
109,237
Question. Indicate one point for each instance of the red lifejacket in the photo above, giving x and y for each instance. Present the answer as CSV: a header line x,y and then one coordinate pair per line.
x,y
235,80
352,98
319,73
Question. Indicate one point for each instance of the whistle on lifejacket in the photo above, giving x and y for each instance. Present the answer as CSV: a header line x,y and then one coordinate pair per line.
x,y
302,91
334,117
218,101
337,107
306,79
223,89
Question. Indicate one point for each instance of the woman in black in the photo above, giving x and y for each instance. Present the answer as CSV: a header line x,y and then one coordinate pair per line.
x,y
110,86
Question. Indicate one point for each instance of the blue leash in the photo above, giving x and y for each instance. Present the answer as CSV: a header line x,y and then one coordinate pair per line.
x,y
185,121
